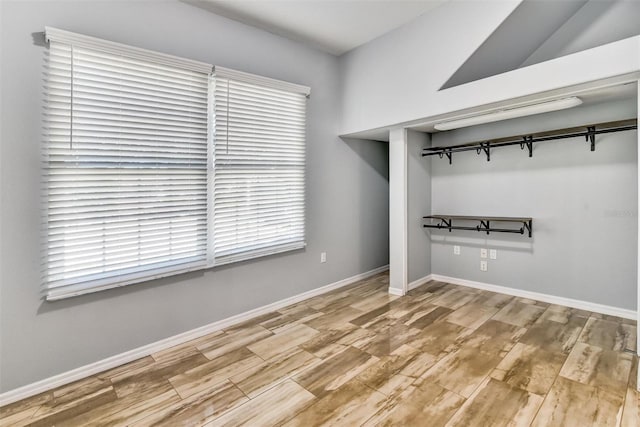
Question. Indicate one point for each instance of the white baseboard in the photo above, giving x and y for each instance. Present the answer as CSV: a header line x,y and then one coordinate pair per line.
x,y
412,285
420,282
131,355
569,302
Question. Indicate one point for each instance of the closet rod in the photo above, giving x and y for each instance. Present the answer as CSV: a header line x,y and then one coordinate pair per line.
x,y
484,223
528,140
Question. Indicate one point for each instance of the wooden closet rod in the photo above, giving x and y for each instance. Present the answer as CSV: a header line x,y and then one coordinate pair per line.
x,y
588,132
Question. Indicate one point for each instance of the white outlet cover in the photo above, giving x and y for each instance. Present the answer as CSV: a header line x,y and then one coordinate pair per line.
x,y
483,252
483,266
493,254
456,250
323,257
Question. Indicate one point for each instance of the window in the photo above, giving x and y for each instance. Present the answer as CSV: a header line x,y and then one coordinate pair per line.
x,y
259,166
136,186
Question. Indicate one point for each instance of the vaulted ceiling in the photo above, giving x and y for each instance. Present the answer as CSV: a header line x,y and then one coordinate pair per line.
x,y
335,26
538,31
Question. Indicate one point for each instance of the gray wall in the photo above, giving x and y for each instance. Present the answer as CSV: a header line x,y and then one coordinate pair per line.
x,y
521,34
418,205
347,192
584,206
597,23
396,77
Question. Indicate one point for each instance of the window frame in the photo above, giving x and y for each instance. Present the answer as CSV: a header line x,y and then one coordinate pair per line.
x,y
128,278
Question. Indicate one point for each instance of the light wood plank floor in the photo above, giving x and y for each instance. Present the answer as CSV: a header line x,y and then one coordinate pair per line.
x,y
443,355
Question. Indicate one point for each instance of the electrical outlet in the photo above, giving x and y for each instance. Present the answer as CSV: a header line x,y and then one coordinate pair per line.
x,y
483,252
483,266
493,254
323,257
456,250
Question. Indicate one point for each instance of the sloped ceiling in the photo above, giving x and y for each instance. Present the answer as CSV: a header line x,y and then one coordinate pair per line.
x,y
335,26
540,30
596,23
516,39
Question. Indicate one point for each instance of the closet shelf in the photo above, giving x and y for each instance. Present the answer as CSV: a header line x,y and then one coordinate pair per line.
x,y
484,223
589,132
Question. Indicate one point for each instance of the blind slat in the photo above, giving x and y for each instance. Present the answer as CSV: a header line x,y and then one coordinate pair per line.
x,y
259,169
125,169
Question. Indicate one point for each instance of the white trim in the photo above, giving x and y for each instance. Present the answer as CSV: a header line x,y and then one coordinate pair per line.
x,y
398,205
638,238
420,282
569,302
228,73
81,40
128,356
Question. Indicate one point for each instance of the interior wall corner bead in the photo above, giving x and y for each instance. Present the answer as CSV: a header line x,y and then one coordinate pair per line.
x,y
511,113
589,132
483,223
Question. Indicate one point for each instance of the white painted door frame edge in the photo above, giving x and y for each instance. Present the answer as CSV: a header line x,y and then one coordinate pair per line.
x,y
146,350
398,211
638,239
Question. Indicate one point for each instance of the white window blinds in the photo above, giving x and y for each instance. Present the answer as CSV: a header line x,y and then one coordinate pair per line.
x,y
259,167
125,166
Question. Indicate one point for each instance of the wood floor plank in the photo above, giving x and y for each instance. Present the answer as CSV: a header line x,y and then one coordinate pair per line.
x,y
335,371
454,298
572,404
463,370
417,404
498,404
609,335
334,321
519,313
374,301
197,409
591,365
562,314
214,372
492,299
282,402
291,318
281,342
440,337
233,340
387,339
554,336
182,350
631,410
259,378
149,376
124,411
136,365
442,354
53,415
471,315
530,368
349,405
328,342
392,373
19,413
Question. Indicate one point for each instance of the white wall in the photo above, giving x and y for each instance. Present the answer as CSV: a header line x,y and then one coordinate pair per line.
x,y
584,206
347,191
